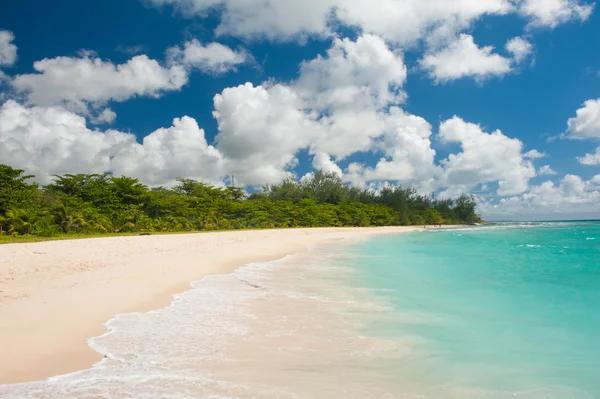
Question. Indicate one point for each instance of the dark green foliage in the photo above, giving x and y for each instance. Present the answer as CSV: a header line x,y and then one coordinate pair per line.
x,y
14,190
99,204
465,209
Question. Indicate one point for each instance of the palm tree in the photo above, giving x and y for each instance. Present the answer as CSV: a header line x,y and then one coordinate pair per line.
x,y
15,221
66,220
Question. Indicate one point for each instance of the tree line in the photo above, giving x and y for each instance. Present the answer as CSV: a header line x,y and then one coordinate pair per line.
x,y
102,203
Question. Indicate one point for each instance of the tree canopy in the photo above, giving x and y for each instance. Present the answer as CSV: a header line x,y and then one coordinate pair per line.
x,y
101,203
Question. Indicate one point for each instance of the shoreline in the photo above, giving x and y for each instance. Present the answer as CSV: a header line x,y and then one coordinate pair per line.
x,y
55,295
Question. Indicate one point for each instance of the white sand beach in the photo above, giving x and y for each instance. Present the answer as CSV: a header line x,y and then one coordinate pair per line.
x,y
54,295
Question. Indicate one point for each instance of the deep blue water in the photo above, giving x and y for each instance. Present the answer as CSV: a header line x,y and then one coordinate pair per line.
x,y
508,310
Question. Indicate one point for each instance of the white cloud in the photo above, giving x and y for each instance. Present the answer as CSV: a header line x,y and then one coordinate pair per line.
x,y
408,21
571,195
260,131
485,158
212,58
107,116
47,141
535,154
546,170
344,103
586,125
86,81
348,90
168,153
322,161
590,159
404,22
51,140
551,13
338,106
345,132
8,51
356,74
520,48
274,20
408,156
462,58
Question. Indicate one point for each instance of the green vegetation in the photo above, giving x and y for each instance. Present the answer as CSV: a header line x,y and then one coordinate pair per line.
x,y
101,204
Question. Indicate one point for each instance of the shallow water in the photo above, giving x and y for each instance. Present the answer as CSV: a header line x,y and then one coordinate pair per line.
x,y
503,311
497,312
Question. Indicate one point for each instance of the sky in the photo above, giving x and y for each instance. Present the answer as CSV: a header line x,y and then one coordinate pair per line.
x,y
498,98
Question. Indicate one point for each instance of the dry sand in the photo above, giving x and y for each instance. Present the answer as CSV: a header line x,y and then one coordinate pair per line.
x,y
55,295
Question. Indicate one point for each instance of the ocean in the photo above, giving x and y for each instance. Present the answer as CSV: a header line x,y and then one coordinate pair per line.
x,y
507,310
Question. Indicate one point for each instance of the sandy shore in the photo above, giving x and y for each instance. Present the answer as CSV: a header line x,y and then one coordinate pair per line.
x,y
55,295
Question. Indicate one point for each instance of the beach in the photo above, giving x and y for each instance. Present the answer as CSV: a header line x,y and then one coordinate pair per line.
x,y
55,295
496,312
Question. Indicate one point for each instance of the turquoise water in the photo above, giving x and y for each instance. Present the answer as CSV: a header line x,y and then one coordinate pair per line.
x,y
508,310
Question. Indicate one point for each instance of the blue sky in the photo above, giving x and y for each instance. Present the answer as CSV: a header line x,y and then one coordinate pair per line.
x,y
405,92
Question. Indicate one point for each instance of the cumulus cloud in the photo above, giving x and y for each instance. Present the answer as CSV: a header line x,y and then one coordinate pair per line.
x,y
51,140
586,123
520,48
85,84
347,131
349,90
107,116
8,51
274,20
408,156
408,21
403,22
344,102
546,170
213,58
46,141
169,153
361,73
339,105
260,131
289,19
590,159
322,161
535,154
87,81
485,158
463,58
572,194
551,13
